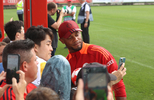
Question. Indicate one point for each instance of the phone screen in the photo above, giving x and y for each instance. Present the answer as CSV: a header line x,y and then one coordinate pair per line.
x,y
95,83
12,67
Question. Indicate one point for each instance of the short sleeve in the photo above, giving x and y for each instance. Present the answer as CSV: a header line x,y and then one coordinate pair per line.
x,y
87,8
74,9
50,21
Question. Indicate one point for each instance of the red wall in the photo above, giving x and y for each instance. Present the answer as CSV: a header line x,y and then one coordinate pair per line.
x,y
1,20
38,14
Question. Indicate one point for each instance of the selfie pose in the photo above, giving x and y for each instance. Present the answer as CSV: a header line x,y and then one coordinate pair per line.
x,y
80,53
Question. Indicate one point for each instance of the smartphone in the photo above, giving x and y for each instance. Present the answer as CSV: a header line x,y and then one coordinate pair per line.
x,y
121,61
13,63
95,83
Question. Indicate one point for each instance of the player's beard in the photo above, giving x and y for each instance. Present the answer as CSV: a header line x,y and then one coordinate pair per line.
x,y
77,49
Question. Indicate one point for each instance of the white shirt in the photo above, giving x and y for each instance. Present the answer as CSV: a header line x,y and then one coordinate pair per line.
x,y
87,8
74,10
41,63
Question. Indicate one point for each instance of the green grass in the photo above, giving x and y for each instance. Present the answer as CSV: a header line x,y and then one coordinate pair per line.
x,y
124,31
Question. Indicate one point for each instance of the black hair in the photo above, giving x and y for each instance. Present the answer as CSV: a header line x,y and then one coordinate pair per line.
x,y
38,34
6,40
12,27
42,93
21,47
51,6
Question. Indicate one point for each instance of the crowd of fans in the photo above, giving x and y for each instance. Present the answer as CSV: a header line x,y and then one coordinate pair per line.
x,y
43,76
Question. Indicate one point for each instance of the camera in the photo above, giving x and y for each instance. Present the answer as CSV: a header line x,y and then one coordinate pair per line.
x,y
58,11
68,11
95,81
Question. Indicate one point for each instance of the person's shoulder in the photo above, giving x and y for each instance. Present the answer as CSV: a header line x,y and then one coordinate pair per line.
x,y
87,5
30,87
41,63
49,16
95,49
69,56
40,60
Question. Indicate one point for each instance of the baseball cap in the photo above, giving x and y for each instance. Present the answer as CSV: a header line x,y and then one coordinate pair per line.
x,y
110,77
67,28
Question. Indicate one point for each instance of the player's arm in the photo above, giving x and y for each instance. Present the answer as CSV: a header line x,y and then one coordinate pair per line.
x,y
106,58
120,73
120,93
119,88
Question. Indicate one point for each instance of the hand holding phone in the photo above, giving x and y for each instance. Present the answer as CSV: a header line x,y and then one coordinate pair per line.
x,y
121,61
20,87
13,62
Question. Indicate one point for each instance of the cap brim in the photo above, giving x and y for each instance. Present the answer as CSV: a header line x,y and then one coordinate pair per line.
x,y
69,33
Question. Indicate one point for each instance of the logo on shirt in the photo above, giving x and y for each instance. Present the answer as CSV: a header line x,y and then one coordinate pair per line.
x,y
110,62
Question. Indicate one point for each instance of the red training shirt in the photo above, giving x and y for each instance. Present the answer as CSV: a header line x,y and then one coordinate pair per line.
x,y
93,53
9,94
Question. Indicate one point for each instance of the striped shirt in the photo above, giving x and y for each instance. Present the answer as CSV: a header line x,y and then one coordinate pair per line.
x,y
9,94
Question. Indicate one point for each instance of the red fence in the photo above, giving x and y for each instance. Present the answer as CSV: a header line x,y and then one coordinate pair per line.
x,y
13,2
1,20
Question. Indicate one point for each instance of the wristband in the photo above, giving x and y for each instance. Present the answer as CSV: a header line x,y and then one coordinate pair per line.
x,y
86,22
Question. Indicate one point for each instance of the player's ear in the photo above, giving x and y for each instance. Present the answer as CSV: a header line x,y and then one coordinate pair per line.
x,y
52,10
36,48
17,36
